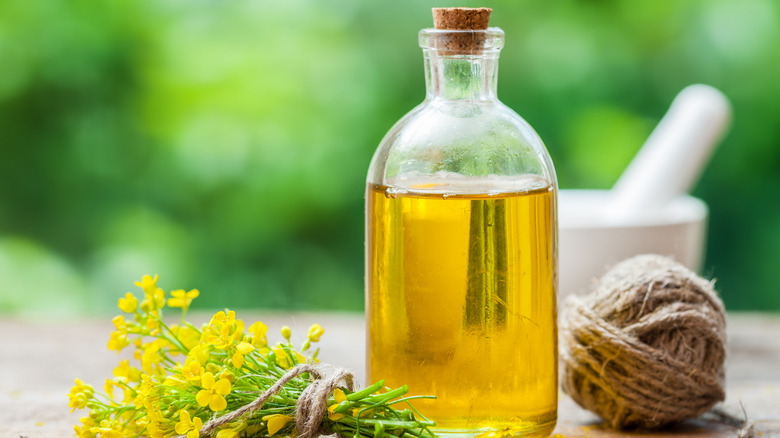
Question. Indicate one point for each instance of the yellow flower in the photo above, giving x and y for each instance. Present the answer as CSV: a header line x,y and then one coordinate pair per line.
x,y
339,396
239,329
286,332
285,359
153,322
282,358
125,370
109,429
152,422
315,331
232,430
227,374
154,297
192,370
227,433
276,422
258,331
84,431
118,341
155,430
143,391
153,412
223,339
148,283
223,330
150,358
187,335
222,318
121,383
109,387
128,304
124,374
199,353
79,395
212,394
119,323
335,416
237,360
242,350
182,299
187,426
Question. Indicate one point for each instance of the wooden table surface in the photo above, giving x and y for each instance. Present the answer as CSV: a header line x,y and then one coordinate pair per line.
x,y
39,360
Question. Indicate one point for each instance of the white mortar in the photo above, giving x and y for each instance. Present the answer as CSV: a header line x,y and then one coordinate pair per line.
x,y
590,241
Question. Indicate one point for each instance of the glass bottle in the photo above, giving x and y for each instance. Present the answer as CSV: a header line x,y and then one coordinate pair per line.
x,y
461,250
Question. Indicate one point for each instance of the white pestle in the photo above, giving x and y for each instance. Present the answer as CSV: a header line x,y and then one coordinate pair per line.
x,y
673,157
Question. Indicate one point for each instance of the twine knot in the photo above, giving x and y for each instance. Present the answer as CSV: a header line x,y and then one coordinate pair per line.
x,y
647,347
312,405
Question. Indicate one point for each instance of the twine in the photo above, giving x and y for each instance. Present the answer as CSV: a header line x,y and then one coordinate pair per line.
x,y
312,404
647,347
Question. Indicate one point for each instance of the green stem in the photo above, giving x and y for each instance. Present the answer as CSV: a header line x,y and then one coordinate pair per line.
x,y
366,391
174,339
379,399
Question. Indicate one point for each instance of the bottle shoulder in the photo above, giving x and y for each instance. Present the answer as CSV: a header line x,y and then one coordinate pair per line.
x,y
468,138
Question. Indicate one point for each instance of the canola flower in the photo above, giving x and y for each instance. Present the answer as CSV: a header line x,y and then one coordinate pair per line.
x,y
181,376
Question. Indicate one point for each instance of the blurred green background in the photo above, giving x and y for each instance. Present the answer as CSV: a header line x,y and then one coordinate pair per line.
x,y
224,144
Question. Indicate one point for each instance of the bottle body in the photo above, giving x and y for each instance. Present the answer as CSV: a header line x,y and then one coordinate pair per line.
x,y
461,260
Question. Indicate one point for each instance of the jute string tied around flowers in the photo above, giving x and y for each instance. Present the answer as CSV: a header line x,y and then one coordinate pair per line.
x,y
647,347
312,404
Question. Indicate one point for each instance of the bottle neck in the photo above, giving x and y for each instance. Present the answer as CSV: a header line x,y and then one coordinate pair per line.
x,y
461,77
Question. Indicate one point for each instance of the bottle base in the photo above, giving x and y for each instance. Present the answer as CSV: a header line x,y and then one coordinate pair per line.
x,y
533,429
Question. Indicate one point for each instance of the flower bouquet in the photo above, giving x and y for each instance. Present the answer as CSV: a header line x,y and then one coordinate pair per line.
x,y
224,380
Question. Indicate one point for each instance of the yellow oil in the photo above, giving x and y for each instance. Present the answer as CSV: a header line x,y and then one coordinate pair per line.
x,y
461,305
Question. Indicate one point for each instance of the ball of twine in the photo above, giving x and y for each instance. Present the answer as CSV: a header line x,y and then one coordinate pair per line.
x,y
647,347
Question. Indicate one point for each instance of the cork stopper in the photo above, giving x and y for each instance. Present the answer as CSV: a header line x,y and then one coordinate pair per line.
x,y
461,21
461,18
